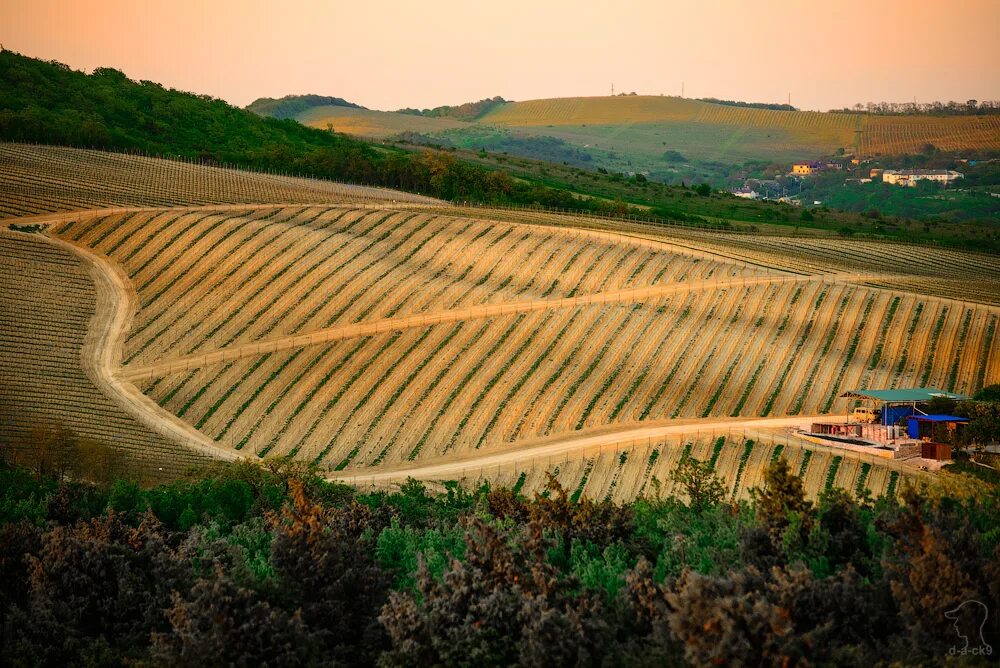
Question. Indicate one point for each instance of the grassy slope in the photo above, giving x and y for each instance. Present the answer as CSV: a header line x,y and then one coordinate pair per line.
x,y
641,127
374,124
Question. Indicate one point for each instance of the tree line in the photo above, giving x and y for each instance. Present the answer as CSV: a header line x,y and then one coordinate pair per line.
x,y
246,564
774,106
952,108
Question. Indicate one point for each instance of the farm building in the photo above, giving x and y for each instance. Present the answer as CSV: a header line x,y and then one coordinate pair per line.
x,y
746,193
889,406
909,177
935,427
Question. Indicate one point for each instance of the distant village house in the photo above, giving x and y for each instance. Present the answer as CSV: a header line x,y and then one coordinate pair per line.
x,y
746,193
808,167
909,177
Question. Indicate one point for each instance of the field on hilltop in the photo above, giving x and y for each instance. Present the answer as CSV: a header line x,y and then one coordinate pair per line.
x,y
380,340
647,126
374,124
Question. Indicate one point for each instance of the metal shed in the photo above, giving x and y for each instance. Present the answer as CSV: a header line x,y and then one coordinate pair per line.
x,y
921,426
898,403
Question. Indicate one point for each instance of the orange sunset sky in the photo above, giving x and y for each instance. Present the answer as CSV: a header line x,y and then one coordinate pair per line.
x,y
390,54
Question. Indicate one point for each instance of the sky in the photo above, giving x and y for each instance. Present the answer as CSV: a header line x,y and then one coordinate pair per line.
x,y
388,54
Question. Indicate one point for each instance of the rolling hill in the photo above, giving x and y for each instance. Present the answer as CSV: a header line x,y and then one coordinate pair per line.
x,y
382,340
644,127
373,124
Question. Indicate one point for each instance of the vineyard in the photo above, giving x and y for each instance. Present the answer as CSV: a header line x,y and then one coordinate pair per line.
x,y
47,179
47,301
380,340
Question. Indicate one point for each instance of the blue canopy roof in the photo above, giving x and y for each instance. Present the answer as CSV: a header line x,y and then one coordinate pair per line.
x,y
939,418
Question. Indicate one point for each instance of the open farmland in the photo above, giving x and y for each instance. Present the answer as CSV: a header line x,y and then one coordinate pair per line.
x,y
822,132
365,336
644,126
374,124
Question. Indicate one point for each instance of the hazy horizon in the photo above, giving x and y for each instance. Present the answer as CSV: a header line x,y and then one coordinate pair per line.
x,y
395,55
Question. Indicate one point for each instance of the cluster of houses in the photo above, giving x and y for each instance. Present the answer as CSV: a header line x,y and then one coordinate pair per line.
x,y
772,189
897,177
910,177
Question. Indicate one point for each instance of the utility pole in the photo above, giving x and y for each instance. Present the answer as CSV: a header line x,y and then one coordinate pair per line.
x,y
612,89
682,89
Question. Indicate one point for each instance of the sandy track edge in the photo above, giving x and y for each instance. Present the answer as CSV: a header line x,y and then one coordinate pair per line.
x,y
115,307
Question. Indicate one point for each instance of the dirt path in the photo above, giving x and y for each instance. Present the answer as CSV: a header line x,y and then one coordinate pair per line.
x,y
569,443
627,296
116,305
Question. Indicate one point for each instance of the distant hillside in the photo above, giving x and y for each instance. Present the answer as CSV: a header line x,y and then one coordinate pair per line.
x,y
806,133
469,111
631,133
50,103
752,105
373,124
291,106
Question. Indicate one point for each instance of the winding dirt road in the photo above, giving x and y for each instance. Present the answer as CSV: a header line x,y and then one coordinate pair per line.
x,y
118,302
116,305
565,444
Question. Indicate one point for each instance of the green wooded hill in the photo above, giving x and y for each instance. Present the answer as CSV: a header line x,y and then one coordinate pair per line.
x,y
50,103
292,105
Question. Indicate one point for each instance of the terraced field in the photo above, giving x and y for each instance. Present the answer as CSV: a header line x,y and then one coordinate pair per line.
x,y
382,340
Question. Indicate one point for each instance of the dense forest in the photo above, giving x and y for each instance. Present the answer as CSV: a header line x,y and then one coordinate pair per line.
x,y
268,564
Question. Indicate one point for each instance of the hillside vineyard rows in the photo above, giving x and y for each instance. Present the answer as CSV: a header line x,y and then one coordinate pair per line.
x,y
47,179
377,340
